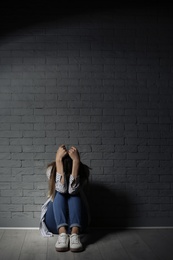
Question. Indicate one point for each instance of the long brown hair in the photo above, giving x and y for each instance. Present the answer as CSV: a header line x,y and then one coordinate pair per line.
x,y
84,172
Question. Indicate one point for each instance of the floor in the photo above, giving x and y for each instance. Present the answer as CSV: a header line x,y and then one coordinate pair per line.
x,y
106,244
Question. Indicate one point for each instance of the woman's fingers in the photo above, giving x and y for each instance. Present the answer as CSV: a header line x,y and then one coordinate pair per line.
x,y
72,150
63,146
61,152
73,153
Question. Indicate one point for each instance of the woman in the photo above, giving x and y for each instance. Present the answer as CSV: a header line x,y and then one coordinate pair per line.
x,y
66,210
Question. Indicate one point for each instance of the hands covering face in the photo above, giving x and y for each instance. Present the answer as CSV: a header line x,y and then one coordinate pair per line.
x,y
72,152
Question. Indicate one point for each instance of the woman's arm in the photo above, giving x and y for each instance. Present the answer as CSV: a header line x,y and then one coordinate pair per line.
x,y
60,182
74,177
61,152
74,154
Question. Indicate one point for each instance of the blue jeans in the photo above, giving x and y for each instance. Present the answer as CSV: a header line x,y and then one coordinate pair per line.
x,y
66,211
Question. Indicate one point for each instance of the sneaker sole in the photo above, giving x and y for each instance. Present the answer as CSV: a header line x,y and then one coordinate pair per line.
x,y
76,249
61,249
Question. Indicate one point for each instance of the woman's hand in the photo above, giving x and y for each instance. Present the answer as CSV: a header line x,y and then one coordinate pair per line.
x,y
61,152
74,154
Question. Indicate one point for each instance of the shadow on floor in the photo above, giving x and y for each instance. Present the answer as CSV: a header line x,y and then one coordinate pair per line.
x,y
110,211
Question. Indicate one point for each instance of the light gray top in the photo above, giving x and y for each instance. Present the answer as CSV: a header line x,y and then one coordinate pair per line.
x,y
73,187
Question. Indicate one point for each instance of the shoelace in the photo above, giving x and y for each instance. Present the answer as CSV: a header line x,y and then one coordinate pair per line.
x,y
61,239
75,239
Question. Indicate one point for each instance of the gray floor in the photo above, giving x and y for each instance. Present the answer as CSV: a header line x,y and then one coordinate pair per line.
x,y
139,244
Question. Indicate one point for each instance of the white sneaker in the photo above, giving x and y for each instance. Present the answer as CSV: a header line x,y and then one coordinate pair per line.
x,y
75,244
62,242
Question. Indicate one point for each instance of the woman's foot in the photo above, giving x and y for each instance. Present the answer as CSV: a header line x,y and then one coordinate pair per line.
x,y
62,242
75,244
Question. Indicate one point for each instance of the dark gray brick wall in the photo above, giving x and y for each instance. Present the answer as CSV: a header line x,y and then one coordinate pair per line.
x,y
100,80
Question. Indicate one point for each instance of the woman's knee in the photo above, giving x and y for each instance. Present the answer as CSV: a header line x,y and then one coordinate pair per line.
x,y
59,197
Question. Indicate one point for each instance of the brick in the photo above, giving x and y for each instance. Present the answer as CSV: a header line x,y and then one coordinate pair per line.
x,y
31,208
52,119
10,119
41,185
39,201
5,200
7,149
5,156
44,141
21,200
57,134
4,186
32,178
32,119
29,193
137,156
20,141
22,171
22,156
10,163
32,149
21,127
22,96
166,178
33,163
103,178
11,208
21,215
22,112
11,193
22,185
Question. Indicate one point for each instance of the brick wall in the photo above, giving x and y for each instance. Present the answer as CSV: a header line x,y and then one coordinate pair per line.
x,y
99,80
